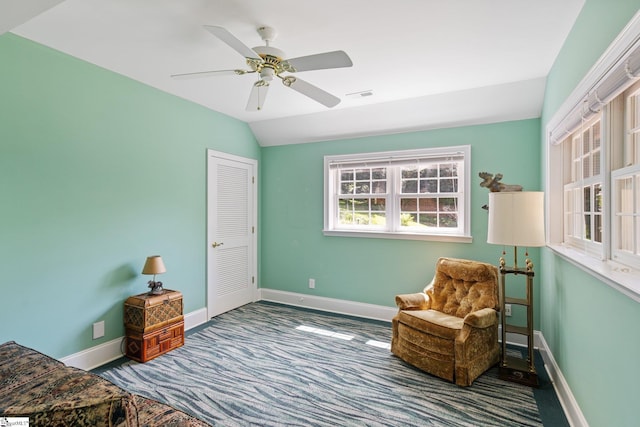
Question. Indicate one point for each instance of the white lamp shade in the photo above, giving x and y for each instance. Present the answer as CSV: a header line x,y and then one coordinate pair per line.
x,y
516,218
154,265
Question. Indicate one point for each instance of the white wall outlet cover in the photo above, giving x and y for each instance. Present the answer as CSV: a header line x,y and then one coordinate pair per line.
x,y
98,329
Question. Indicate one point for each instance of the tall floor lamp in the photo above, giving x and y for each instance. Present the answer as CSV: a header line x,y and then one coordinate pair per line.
x,y
517,219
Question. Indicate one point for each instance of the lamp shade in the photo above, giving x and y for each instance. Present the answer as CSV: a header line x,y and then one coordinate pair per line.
x,y
516,218
154,265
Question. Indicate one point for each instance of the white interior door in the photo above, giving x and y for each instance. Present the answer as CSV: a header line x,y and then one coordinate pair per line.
x,y
231,232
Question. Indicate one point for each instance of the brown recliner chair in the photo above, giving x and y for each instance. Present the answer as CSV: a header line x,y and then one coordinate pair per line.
x,y
451,328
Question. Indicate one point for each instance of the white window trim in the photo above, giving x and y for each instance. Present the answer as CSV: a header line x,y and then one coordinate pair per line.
x,y
621,278
464,237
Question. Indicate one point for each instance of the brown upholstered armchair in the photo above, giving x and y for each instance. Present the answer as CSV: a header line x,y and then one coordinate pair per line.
x,y
451,328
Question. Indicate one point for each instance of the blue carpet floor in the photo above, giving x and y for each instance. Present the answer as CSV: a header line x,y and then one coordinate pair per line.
x,y
267,364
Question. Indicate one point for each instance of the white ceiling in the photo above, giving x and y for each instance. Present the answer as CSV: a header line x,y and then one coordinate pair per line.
x,y
429,63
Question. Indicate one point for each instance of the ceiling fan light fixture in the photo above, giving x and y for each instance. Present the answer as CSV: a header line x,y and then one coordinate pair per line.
x,y
267,73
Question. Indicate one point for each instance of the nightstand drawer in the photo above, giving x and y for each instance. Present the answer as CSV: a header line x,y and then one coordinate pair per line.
x,y
144,347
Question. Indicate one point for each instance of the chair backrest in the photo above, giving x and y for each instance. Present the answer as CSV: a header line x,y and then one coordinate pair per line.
x,y
461,286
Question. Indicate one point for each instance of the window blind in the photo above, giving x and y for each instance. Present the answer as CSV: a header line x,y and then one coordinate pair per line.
x,y
394,160
624,72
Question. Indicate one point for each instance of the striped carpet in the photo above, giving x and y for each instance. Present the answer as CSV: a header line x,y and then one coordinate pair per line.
x,y
266,364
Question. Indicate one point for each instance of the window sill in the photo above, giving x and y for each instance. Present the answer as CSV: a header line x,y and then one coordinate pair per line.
x,y
400,236
621,278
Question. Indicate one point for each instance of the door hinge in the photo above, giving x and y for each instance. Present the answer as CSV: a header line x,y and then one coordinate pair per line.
x,y
253,230
253,279
253,179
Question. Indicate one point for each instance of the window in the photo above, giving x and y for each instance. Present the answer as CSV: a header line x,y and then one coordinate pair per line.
x,y
415,194
626,185
593,169
583,191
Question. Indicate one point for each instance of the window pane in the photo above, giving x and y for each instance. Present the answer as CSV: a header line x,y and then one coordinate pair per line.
x,y
586,166
379,187
596,135
448,204
408,220
597,197
363,187
448,220
378,204
448,185
597,228
379,173
587,199
429,220
407,205
410,172
346,175
430,171
363,174
587,227
410,186
429,186
624,214
447,169
595,165
586,142
428,204
347,188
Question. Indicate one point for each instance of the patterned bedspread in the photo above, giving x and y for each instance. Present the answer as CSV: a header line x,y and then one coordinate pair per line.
x,y
52,394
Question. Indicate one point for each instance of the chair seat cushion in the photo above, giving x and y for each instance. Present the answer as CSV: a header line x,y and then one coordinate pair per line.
x,y
432,322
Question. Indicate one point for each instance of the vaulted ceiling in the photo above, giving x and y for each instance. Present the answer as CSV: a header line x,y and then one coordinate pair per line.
x,y
417,64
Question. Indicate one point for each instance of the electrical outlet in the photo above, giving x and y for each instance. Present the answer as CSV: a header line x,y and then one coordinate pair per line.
x,y
507,310
312,283
98,329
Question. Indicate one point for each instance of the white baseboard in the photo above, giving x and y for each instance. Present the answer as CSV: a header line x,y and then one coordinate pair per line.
x,y
112,350
350,308
109,351
569,404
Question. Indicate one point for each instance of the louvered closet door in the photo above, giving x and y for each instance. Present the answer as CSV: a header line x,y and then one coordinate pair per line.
x,y
231,232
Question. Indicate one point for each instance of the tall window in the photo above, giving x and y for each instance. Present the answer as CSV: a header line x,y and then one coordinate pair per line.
x,y
583,190
593,180
626,185
402,194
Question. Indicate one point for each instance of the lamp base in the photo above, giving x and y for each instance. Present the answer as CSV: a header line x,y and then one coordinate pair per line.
x,y
156,288
517,371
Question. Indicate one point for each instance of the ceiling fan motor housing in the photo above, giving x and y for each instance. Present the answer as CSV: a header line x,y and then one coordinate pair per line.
x,y
271,58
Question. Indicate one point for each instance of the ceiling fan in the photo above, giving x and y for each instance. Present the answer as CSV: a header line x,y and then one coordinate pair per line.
x,y
270,62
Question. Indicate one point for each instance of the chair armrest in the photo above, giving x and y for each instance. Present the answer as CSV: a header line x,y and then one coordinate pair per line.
x,y
482,318
417,301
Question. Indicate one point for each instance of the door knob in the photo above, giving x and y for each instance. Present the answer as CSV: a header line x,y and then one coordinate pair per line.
x,y
216,244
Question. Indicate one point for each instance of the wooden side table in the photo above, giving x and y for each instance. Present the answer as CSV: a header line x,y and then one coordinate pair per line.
x,y
154,324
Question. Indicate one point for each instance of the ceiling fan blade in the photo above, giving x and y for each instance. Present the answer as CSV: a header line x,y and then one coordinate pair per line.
x,y
232,41
209,74
257,96
320,61
313,92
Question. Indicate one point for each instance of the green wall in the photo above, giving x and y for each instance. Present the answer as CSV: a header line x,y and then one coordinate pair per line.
x,y
592,330
369,270
97,172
